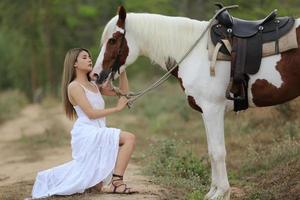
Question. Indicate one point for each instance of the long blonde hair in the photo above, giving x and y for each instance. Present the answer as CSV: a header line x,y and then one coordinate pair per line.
x,y
69,74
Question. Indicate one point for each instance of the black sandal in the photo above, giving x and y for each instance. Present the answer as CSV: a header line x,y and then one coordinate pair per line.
x,y
126,189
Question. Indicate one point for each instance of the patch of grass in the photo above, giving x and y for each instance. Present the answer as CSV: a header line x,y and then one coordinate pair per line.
x,y
50,102
16,191
262,160
195,195
173,165
280,182
11,102
53,137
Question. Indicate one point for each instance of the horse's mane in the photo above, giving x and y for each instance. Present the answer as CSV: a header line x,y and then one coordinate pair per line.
x,y
159,36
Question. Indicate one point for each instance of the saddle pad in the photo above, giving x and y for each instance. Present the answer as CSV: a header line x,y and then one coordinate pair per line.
x,y
286,42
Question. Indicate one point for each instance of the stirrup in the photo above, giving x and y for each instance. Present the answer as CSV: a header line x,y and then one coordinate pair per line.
x,y
238,98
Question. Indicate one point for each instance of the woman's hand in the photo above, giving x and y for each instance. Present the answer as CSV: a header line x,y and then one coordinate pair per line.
x,y
121,103
107,86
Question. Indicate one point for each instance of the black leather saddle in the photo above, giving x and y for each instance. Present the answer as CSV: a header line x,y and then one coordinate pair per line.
x,y
244,28
270,28
246,39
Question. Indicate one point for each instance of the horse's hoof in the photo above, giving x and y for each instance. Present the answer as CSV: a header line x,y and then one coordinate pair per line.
x,y
211,192
221,195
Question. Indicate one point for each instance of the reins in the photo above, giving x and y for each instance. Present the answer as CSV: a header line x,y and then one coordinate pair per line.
x,y
134,96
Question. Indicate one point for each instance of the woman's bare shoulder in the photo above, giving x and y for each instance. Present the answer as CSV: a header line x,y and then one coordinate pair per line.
x,y
74,86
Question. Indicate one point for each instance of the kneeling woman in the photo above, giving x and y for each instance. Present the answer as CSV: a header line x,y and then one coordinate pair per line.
x,y
100,154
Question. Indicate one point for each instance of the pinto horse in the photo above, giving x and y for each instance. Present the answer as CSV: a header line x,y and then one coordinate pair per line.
x,y
162,38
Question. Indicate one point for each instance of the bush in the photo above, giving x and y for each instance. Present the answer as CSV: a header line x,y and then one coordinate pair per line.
x,y
11,102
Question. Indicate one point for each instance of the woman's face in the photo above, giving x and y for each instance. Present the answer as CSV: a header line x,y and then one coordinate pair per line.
x,y
84,62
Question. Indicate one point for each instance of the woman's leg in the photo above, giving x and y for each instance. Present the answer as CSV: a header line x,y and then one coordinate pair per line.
x,y
127,145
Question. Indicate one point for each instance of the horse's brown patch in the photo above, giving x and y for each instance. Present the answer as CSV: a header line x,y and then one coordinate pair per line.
x,y
266,94
113,46
193,104
175,73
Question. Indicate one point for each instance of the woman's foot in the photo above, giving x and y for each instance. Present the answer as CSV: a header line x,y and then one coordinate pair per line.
x,y
119,187
97,188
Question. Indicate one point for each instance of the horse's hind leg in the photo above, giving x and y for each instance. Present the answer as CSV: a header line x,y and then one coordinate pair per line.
x,y
213,116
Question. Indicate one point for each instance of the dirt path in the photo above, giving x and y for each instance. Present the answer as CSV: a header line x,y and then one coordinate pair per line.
x,y
21,159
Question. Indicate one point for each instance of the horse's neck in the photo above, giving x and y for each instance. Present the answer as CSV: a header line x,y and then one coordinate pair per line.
x,y
161,38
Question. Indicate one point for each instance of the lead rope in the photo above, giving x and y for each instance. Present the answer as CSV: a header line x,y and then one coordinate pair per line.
x,y
134,96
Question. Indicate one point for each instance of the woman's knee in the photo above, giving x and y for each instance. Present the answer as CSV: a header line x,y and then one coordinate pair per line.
x,y
127,137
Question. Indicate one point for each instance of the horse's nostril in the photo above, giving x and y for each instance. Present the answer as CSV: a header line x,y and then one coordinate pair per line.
x,y
95,76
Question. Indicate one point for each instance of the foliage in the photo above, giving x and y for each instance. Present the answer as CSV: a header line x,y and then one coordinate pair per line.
x,y
33,45
173,165
11,102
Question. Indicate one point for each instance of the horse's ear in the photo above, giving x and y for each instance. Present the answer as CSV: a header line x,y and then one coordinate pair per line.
x,y
122,17
219,5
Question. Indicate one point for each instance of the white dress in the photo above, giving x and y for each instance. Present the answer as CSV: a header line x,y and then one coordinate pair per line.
x,y
94,152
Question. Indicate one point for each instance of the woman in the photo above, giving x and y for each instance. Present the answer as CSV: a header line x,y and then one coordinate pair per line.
x,y
100,154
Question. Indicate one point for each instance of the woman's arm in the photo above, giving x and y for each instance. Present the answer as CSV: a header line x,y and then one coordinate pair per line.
x,y
77,94
107,91
123,84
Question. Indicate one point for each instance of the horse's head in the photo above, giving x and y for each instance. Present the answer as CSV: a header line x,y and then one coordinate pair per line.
x,y
118,50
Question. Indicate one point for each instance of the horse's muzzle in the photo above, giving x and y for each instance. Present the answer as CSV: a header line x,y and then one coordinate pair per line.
x,y
104,74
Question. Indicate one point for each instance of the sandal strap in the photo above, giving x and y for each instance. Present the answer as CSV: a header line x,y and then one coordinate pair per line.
x,y
126,190
117,186
118,176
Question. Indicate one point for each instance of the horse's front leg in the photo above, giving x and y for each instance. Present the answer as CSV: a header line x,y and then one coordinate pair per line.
x,y
213,116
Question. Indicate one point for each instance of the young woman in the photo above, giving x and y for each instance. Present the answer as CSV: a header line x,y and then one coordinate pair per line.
x,y
100,154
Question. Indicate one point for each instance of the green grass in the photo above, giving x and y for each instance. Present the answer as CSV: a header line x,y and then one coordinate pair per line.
x,y
174,166
11,103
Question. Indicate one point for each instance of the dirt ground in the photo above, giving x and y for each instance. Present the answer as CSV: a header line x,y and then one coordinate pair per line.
x,y
19,165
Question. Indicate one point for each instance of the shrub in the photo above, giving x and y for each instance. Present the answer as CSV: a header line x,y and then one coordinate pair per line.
x,y
172,164
11,102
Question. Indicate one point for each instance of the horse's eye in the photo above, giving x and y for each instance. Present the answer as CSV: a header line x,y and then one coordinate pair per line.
x,y
112,41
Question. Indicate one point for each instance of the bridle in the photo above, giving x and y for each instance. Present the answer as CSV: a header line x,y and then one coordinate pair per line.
x,y
115,67
117,63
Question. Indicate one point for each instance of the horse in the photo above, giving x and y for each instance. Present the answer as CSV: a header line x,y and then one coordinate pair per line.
x,y
164,39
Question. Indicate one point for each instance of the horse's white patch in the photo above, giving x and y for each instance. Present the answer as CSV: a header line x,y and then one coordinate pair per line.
x,y
297,22
266,72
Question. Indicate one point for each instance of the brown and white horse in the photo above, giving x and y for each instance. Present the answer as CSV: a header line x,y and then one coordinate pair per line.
x,y
161,38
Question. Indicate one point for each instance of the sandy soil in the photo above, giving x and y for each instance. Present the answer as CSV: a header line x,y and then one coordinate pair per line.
x,y
18,169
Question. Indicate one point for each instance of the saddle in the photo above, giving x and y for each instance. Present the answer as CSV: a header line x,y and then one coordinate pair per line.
x,y
246,39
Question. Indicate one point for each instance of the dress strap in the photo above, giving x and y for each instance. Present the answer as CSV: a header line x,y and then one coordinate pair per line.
x,y
81,85
93,82
88,89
